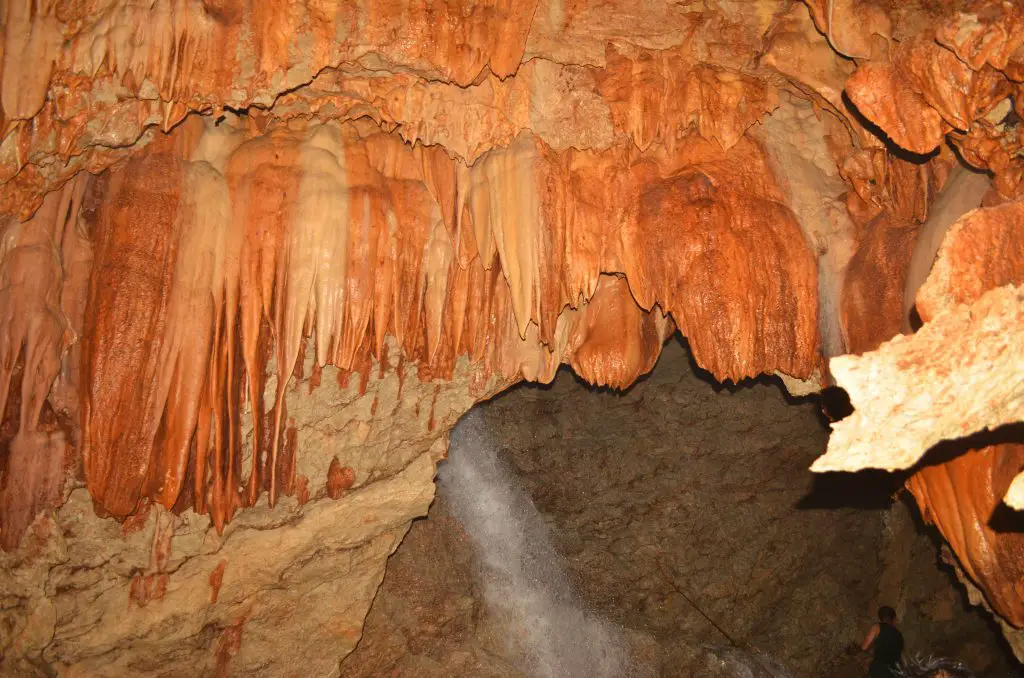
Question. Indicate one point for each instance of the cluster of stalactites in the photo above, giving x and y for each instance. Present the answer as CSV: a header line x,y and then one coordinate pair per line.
x,y
80,80
223,249
236,247
36,318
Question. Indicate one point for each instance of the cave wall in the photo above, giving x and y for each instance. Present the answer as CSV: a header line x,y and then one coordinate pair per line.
x,y
278,588
676,489
199,197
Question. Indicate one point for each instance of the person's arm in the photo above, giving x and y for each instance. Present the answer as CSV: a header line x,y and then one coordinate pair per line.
x,y
872,634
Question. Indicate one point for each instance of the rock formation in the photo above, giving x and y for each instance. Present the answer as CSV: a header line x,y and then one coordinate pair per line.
x,y
257,258
970,352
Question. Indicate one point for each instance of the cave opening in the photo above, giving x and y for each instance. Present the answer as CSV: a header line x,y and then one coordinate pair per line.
x,y
670,529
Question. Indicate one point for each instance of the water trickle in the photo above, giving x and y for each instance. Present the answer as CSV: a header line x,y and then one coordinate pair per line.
x,y
524,583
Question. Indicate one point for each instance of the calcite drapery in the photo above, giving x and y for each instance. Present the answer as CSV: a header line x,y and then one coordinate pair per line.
x,y
961,497
346,235
36,333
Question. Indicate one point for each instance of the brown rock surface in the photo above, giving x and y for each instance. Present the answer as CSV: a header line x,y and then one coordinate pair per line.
x,y
675,488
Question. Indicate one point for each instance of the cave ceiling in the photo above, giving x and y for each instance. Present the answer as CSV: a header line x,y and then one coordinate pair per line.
x,y
206,202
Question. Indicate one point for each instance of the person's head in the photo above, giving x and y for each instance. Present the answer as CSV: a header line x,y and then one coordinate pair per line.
x,y
933,667
886,614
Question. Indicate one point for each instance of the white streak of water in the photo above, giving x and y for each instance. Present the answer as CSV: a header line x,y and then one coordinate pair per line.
x,y
523,579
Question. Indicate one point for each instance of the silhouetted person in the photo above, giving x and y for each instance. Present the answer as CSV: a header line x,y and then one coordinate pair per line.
x,y
933,668
887,642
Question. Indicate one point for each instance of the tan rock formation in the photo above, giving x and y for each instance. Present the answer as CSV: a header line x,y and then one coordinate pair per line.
x,y
962,372
166,592
944,382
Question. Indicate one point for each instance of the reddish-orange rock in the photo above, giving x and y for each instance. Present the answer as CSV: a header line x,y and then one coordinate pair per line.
x,y
872,304
997,148
987,32
888,100
964,369
127,313
146,588
82,80
34,334
922,87
722,228
983,250
961,497
855,28
657,96
339,478
228,644
217,580
613,341
957,93
910,208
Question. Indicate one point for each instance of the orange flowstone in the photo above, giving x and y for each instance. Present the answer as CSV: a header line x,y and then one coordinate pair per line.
x,y
488,262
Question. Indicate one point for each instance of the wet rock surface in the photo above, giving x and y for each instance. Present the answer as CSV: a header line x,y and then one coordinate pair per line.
x,y
686,515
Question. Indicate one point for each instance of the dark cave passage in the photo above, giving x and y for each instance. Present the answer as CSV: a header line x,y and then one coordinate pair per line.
x,y
683,515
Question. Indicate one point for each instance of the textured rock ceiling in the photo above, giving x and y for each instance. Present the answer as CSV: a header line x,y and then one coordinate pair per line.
x,y
210,204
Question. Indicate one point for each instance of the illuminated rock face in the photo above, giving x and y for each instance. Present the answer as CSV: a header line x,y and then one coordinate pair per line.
x,y
970,353
207,205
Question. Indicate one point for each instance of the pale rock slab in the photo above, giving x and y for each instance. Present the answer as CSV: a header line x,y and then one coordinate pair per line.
x,y
962,372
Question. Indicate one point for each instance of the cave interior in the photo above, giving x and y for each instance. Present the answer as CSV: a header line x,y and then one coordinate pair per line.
x,y
510,337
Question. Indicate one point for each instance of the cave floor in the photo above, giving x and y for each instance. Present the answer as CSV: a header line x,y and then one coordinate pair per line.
x,y
685,515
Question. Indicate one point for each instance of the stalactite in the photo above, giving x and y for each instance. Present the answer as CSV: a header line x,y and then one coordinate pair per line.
x,y
345,235
35,334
